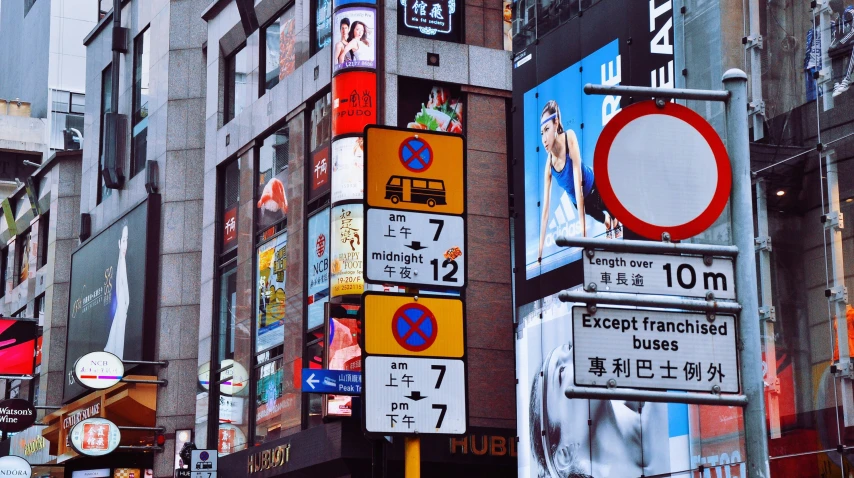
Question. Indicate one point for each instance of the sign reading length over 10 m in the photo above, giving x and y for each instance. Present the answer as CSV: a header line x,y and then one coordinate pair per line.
x,y
415,196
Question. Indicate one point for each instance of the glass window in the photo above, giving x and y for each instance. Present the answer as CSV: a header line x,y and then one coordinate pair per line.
x,y
272,185
272,277
237,91
4,262
276,400
314,355
60,101
44,231
141,60
22,262
320,134
280,49
106,93
78,103
227,313
104,7
323,24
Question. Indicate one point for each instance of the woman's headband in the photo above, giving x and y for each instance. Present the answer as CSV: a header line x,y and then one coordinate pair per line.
x,y
548,118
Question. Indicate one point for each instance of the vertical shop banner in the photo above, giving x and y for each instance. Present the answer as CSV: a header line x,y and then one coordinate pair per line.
x,y
108,301
346,243
354,102
343,353
319,175
355,42
272,274
348,169
317,248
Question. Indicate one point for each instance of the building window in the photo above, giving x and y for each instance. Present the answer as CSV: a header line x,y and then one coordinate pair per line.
x,y
237,91
22,262
67,115
320,133
44,232
106,94
279,48
272,185
104,7
4,263
274,406
139,143
322,24
314,358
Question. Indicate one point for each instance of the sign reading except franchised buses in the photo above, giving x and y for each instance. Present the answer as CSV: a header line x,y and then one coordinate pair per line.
x,y
654,349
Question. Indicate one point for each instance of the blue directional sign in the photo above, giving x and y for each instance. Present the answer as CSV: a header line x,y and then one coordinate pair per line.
x,y
341,382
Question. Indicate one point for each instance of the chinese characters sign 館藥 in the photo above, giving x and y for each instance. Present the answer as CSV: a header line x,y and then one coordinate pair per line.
x,y
435,19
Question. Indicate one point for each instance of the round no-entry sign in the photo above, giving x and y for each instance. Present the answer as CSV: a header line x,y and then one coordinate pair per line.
x,y
662,170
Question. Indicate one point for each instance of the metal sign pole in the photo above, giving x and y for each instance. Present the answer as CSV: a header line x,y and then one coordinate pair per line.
x,y
738,146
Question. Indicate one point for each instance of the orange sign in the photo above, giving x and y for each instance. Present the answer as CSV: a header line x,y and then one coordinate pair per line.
x,y
414,170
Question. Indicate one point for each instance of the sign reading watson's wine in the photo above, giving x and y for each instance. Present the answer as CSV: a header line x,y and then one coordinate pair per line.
x,y
107,303
16,415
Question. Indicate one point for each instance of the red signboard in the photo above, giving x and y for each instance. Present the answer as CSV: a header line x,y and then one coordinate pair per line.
x,y
354,102
229,228
319,174
17,346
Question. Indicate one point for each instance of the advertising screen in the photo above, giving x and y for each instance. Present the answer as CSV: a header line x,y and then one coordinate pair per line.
x,y
621,438
272,184
429,105
272,273
354,101
17,346
348,167
108,303
344,353
555,190
318,267
346,243
355,39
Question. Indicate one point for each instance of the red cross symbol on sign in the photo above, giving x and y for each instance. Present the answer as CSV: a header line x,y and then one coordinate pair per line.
x,y
414,327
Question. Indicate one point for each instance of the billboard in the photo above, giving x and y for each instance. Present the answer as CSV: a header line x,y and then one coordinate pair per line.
x,y
354,101
346,250
561,437
272,274
355,39
348,169
430,105
17,346
318,267
343,353
555,189
110,275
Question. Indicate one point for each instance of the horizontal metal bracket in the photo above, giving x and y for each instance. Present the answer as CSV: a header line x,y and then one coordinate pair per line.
x,y
833,219
756,108
163,382
752,41
616,298
655,396
773,387
47,407
654,92
160,363
837,294
763,243
843,370
649,247
768,313
140,448
145,429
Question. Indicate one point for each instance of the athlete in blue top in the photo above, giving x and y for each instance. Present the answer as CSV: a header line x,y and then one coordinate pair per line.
x,y
564,164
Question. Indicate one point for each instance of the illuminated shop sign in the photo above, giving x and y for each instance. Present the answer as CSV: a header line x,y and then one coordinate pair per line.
x,y
354,101
347,265
436,19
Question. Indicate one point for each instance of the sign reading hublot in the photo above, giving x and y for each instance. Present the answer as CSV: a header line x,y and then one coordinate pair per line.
x,y
109,279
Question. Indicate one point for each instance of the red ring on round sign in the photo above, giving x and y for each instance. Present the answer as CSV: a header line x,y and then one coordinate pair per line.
x,y
618,210
402,338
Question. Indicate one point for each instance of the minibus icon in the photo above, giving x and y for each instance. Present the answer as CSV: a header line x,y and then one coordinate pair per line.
x,y
415,190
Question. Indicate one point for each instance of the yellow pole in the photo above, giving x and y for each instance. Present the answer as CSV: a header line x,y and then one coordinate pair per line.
x,y
412,456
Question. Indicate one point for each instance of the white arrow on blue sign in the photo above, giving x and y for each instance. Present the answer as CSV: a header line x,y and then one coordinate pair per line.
x,y
341,382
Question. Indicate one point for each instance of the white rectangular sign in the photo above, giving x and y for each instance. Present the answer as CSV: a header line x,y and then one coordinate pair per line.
x,y
415,248
644,348
414,395
661,274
